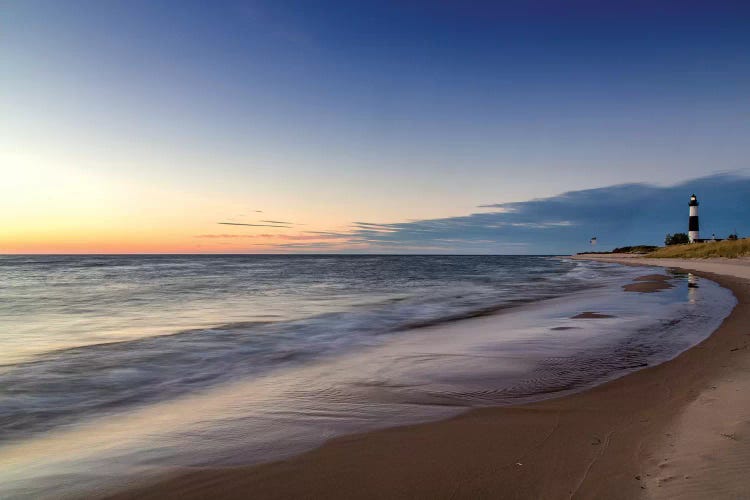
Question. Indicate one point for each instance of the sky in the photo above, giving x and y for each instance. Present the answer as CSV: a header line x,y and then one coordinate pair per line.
x,y
374,126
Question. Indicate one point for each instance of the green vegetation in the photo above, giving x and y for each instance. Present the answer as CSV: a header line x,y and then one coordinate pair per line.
x,y
635,249
727,248
676,239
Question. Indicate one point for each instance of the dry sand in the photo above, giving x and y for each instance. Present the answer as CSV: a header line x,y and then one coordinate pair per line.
x,y
680,429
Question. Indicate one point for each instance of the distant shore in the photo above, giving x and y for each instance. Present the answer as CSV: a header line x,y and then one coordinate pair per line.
x,y
679,429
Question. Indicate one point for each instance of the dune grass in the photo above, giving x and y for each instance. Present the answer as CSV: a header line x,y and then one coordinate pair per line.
x,y
728,248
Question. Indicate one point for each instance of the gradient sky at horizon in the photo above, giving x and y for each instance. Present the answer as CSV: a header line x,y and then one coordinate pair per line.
x,y
137,126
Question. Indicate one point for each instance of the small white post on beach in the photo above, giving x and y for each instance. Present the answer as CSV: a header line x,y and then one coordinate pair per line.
x,y
693,220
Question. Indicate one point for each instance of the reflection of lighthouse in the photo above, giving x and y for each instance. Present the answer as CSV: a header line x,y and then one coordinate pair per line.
x,y
693,221
692,288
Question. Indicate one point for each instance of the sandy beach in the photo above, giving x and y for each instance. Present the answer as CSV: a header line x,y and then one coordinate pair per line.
x,y
679,429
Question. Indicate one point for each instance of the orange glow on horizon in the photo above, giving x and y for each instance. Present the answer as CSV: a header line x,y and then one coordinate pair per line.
x,y
166,245
74,211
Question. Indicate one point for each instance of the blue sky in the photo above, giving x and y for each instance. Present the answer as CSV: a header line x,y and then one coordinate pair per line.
x,y
328,113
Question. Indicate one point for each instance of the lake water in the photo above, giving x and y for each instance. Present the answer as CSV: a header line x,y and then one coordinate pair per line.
x,y
118,365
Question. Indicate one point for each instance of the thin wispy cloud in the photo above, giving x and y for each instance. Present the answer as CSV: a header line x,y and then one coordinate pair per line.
x,y
229,236
251,225
284,237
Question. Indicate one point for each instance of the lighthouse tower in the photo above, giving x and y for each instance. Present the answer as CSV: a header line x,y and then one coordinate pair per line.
x,y
693,221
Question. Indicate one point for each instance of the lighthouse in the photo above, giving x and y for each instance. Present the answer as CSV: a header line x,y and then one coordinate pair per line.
x,y
693,221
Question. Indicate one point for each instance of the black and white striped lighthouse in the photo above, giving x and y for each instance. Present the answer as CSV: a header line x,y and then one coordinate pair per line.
x,y
693,221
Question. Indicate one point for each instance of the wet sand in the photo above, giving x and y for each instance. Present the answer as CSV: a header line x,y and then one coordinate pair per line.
x,y
679,429
648,283
591,315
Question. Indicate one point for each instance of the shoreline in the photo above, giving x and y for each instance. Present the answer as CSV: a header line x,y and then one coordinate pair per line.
x,y
616,440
